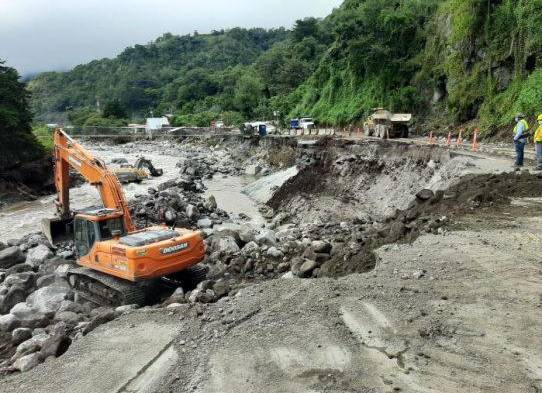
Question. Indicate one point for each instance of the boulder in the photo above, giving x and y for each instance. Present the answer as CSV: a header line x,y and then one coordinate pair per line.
x,y
31,345
226,244
45,280
250,248
320,246
25,316
27,363
47,300
38,255
176,297
274,252
69,317
211,204
62,270
425,194
15,295
25,280
8,322
266,237
247,233
204,223
221,288
19,268
20,334
68,305
192,211
11,256
306,268
55,346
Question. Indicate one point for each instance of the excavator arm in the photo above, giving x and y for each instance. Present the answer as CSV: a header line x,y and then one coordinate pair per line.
x,y
68,153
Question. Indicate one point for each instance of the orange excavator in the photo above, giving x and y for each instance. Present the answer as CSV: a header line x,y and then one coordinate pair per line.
x,y
119,264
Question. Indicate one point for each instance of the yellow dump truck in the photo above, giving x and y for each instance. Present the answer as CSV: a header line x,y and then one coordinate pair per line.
x,y
384,124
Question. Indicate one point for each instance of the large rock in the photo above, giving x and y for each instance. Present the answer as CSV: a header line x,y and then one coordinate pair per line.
x,y
25,280
204,223
38,255
425,194
27,363
25,316
20,334
8,322
47,300
33,344
11,256
267,237
226,245
192,211
274,252
306,268
55,346
15,295
221,288
247,233
321,246
250,249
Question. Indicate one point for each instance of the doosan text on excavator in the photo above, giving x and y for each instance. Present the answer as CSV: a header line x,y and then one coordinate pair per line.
x,y
119,264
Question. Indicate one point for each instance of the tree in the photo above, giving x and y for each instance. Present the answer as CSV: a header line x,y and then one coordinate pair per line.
x,y
114,109
248,93
17,143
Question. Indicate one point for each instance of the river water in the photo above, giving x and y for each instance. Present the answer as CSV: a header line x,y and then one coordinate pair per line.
x,y
22,218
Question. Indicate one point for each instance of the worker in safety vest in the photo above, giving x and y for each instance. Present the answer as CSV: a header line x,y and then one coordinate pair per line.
x,y
520,138
538,143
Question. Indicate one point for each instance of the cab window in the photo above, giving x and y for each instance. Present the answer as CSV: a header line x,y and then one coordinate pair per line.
x,y
85,236
109,226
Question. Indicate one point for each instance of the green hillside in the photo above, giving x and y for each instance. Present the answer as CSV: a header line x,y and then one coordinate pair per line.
x,y
450,62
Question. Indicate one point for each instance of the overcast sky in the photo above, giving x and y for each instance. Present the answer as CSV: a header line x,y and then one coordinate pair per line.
x,y
42,35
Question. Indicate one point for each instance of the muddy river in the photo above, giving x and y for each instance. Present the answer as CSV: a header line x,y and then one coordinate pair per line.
x,y
22,218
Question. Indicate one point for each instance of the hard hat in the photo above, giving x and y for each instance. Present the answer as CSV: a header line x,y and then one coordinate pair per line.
x,y
539,117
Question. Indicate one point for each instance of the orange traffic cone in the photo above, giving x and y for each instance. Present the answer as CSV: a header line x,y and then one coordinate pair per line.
x,y
475,140
449,140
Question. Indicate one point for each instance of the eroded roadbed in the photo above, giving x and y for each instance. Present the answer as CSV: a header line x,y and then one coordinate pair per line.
x,y
111,359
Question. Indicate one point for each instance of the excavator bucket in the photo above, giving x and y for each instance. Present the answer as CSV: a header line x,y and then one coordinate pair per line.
x,y
57,230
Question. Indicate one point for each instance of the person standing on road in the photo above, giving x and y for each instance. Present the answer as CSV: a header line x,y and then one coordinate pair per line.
x,y
538,143
520,138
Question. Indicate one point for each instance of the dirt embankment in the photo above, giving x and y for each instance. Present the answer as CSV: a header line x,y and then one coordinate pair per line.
x,y
366,196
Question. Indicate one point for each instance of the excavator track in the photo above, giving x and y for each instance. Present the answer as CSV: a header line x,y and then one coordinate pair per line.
x,y
105,290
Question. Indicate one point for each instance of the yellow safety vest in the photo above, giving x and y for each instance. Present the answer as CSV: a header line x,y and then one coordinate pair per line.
x,y
525,126
538,135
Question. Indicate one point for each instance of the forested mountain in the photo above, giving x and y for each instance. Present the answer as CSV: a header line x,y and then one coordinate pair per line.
x,y
17,143
448,61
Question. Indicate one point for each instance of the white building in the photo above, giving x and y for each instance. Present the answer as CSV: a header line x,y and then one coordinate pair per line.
x,y
156,123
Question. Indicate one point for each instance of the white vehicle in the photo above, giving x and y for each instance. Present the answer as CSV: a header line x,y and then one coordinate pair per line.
x,y
306,123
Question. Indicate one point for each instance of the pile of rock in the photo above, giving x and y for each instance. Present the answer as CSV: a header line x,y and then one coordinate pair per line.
x,y
184,197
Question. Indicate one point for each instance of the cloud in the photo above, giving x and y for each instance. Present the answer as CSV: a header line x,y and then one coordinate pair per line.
x,y
40,35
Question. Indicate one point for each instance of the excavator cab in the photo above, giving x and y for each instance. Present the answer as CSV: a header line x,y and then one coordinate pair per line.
x,y
86,227
93,225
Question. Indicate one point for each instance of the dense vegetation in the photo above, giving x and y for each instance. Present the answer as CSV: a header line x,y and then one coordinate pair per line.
x,y
448,61
17,143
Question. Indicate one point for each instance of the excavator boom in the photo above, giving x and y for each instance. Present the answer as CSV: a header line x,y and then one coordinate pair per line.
x,y
70,154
